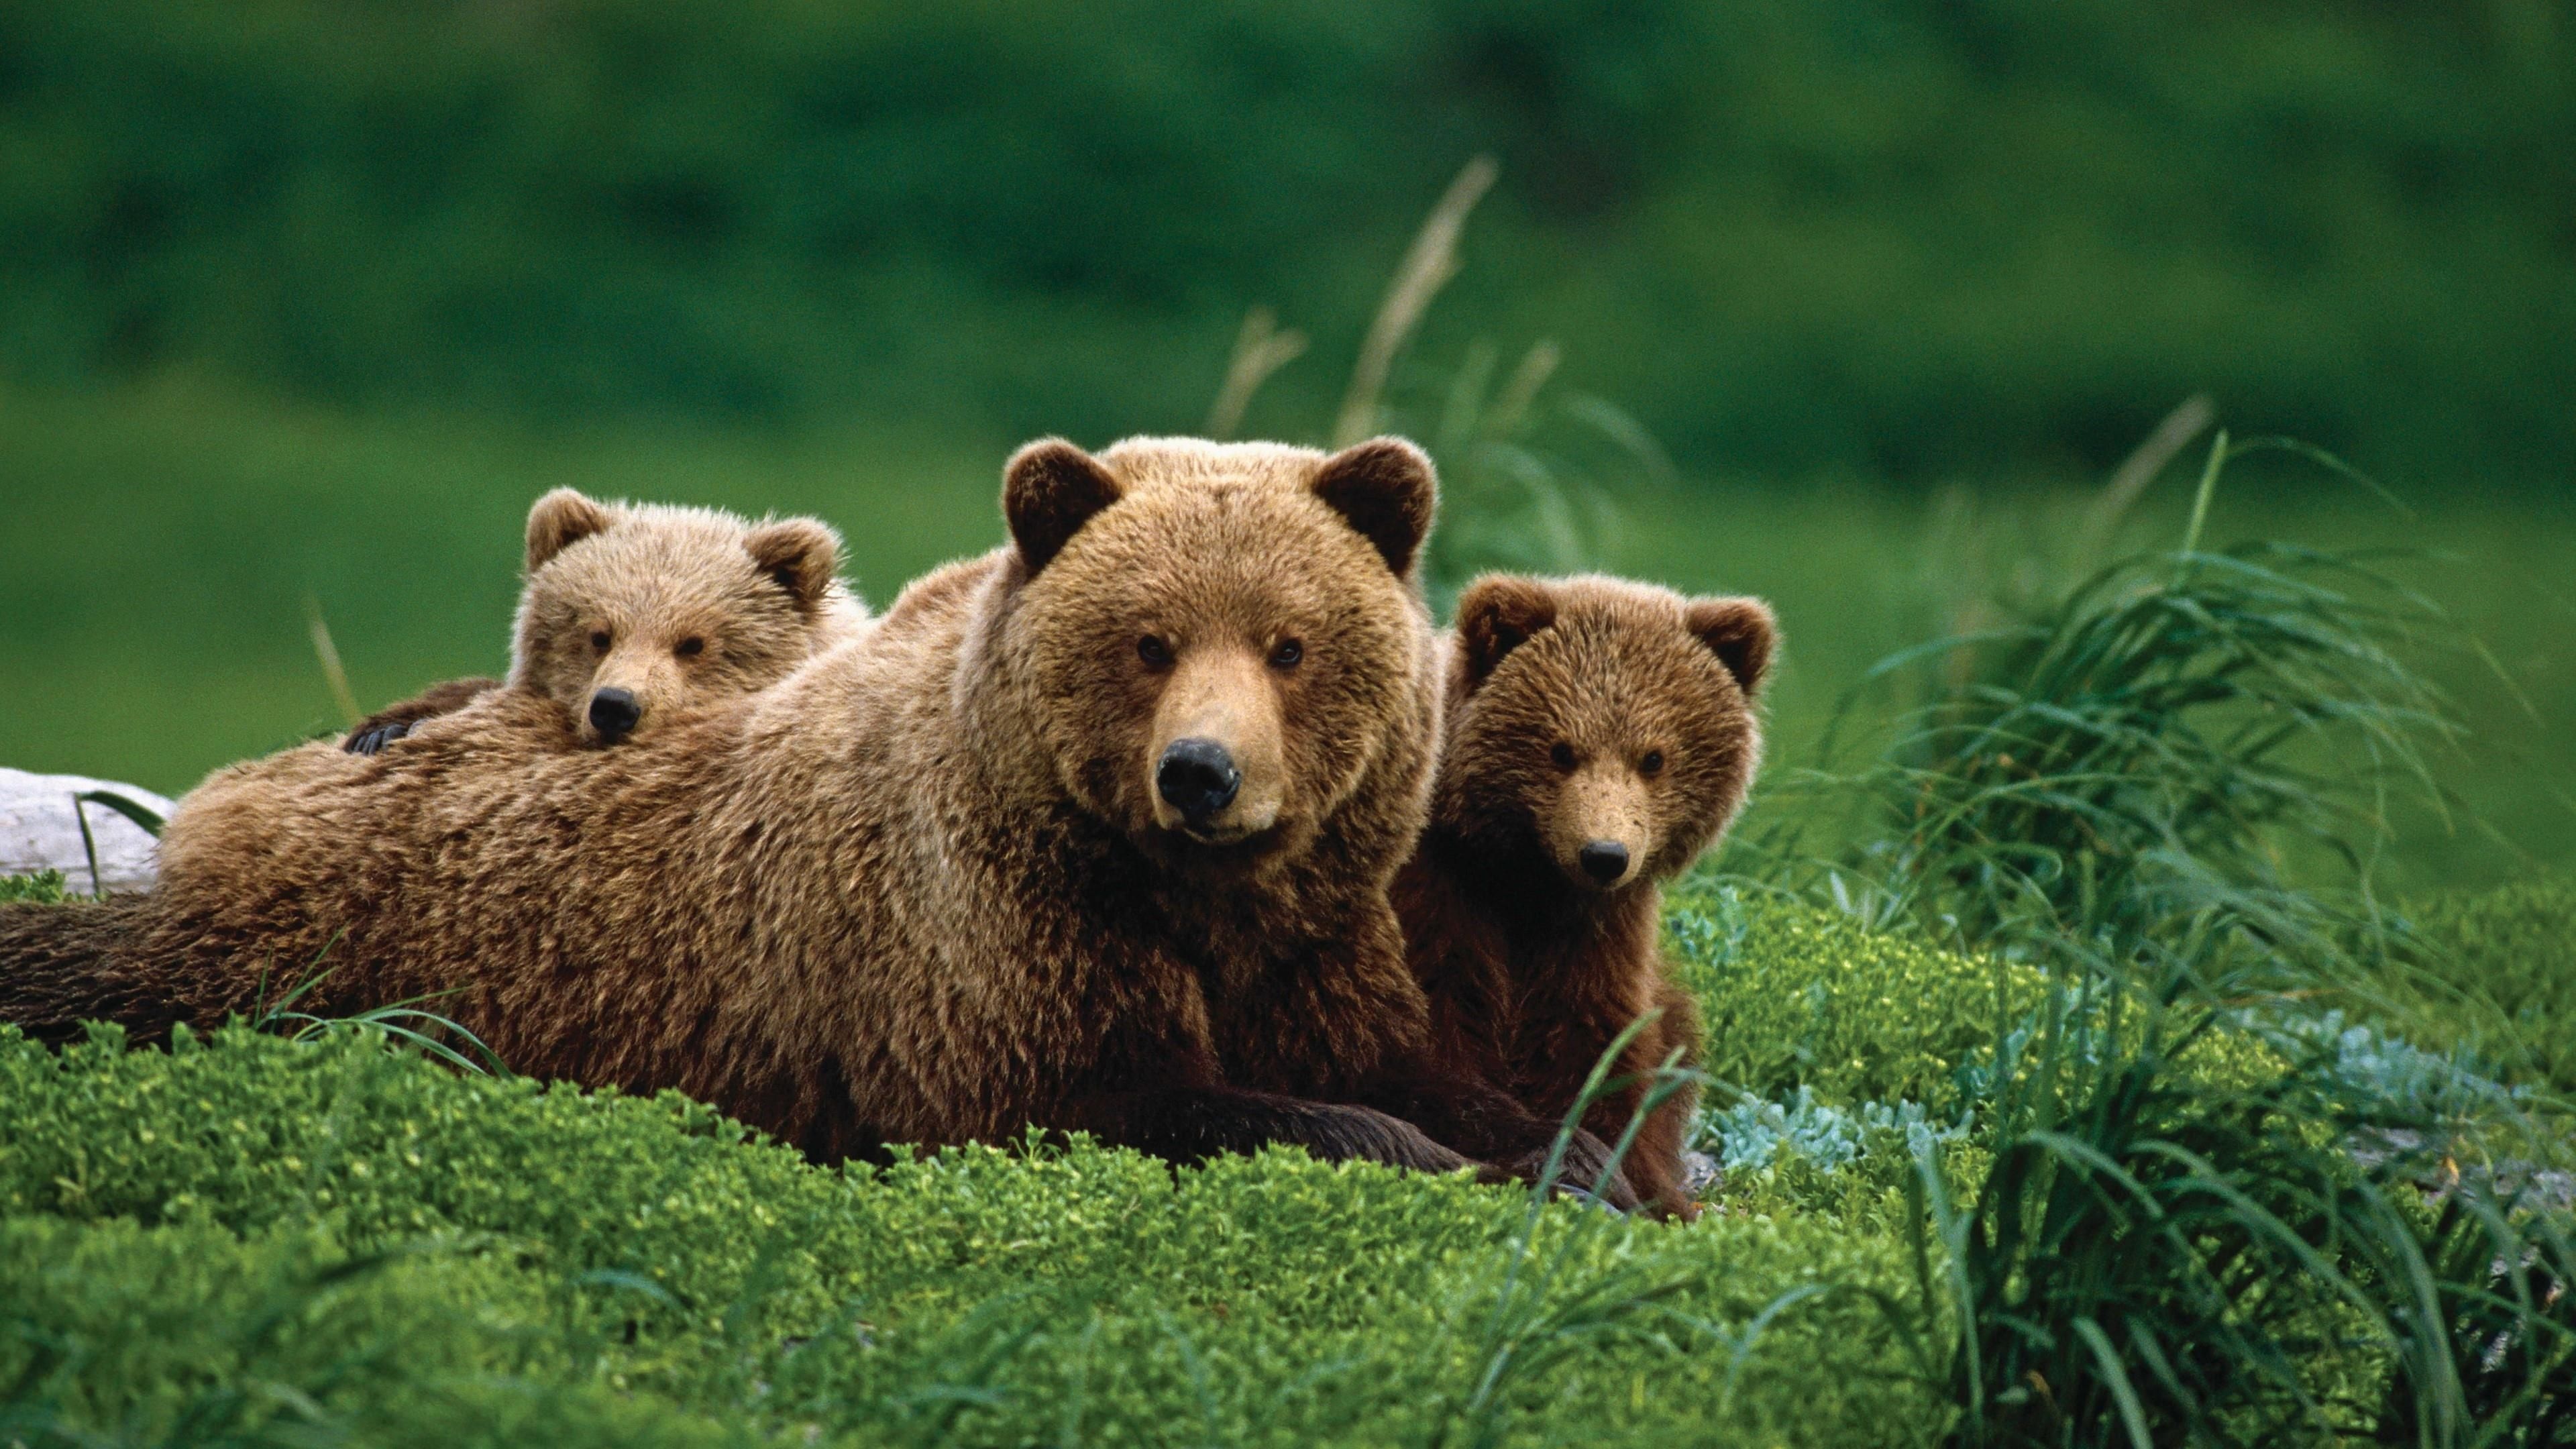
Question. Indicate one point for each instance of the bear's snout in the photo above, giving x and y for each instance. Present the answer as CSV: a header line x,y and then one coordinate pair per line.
x,y
1215,764
1198,778
1600,828
1603,860
614,713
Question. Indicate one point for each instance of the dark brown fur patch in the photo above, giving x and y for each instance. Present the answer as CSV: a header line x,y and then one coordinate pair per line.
x,y
1579,710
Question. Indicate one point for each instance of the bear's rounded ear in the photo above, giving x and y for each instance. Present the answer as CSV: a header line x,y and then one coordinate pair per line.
x,y
1740,632
1387,488
1050,489
803,554
1496,615
559,520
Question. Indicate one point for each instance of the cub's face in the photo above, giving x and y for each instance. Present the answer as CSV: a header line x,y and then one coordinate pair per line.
x,y
1603,727
632,614
1222,639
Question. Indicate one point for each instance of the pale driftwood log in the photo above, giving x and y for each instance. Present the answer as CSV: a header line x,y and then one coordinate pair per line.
x,y
38,831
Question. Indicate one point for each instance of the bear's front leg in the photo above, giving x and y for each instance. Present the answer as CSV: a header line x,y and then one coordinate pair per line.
x,y
1347,1016
396,720
1492,1125
1192,1124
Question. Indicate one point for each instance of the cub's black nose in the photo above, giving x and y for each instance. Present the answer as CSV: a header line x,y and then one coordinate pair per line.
x,y
1603,860
1197,777
613,712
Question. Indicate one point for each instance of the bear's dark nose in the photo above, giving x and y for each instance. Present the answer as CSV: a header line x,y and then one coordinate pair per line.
x,y
1198,777
613,712
1603,860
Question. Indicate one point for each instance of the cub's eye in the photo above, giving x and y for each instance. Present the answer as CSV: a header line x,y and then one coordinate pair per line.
x,y
1652,765
691,646
599,640
1286,654
1562,754
1154,651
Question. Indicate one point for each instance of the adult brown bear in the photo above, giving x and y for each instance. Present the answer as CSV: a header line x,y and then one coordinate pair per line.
x,y
1093,833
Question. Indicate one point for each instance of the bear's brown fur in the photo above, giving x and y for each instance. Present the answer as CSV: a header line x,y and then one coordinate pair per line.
x,y
1583,712
672,606
932,887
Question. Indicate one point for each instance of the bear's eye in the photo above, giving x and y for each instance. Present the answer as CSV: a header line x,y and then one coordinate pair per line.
x,y
1286,653
599,640
1652,765
691,646
1562,754
1154,651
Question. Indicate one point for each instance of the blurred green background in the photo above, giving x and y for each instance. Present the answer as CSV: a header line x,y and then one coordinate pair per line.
x,y
308,300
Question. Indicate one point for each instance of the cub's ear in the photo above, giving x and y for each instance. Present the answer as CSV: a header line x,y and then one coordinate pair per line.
x,y
803,554
1050,489
1386,487
1496,615
560,519
1740,632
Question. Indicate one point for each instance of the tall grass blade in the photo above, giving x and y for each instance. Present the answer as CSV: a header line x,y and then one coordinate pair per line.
x,y
144,816
89,850
1428,265
328,654
1260,349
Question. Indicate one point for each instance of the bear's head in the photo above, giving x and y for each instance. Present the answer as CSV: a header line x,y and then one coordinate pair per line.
x,y
1602,726
1223,644
635,611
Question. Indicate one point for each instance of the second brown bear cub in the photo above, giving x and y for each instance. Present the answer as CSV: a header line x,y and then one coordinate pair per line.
x,y
1600,735
632,612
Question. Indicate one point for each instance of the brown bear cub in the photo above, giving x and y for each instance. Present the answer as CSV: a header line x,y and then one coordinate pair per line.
x,y
1600,735
1093,833
633,612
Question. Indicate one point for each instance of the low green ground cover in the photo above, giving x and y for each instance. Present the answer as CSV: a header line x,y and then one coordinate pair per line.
x,y
44,887
252,1239
255,1240
2493,975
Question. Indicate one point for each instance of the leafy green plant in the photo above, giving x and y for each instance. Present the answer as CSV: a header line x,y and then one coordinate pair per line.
x,y
2486,1325
2167,1259
45,887
2148,762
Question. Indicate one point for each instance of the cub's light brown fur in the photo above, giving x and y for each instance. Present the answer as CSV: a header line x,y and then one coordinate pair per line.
x,y
924,889
693,604
1583,712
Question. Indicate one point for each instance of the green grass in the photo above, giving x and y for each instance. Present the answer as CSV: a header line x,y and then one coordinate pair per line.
x,y
2185,743
251,1239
